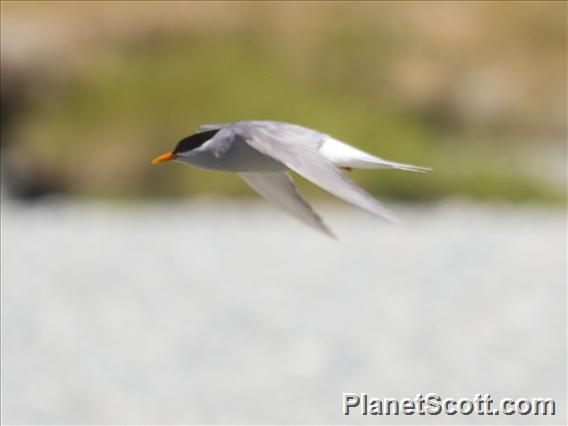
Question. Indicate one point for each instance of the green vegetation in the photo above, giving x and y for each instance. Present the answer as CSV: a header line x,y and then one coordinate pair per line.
x,y
131,100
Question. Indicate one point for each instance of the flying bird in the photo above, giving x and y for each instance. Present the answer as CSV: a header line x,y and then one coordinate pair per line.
x,y
264,152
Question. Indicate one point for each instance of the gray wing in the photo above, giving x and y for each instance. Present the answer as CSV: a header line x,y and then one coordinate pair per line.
x,y
297,148
205,127
279,189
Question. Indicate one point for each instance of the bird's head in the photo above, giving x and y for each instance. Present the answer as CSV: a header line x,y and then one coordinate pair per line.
x,y
185,148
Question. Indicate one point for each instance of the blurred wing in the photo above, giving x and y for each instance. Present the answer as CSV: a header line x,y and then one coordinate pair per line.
x,y
279,189
299,152
206,127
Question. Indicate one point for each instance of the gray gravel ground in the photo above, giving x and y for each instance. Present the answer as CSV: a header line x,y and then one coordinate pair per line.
x,y
226,312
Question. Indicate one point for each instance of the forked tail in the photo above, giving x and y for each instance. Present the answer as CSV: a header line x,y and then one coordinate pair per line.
x,y
348,157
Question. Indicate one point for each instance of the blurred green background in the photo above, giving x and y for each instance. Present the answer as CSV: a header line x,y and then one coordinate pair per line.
x,y
92,91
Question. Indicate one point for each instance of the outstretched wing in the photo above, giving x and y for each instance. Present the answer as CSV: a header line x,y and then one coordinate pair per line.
x,y
297,148
279,189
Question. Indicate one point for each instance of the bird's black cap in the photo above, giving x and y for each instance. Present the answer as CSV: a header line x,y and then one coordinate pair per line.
x,y
194,141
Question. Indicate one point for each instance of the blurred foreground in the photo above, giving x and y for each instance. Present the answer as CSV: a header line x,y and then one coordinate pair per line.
x,y
216,312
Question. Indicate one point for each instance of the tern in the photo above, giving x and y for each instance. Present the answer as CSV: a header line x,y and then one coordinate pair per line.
x,y
264,152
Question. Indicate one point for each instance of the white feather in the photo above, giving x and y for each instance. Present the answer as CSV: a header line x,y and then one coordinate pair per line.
x,y
343,155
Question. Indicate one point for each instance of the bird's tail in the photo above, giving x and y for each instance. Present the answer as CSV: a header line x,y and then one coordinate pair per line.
x,y
380,163
348,157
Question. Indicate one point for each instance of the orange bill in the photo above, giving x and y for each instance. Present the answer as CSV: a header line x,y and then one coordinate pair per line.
x,y
164,158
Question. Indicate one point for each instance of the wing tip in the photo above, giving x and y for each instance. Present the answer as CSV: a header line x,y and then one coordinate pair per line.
x,y
329,233
210,126
389,217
